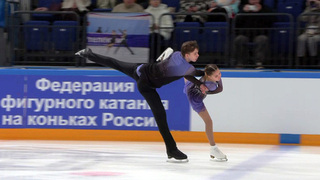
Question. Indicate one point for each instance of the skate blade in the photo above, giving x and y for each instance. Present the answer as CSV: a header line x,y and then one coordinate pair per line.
x,y
212,158
173,160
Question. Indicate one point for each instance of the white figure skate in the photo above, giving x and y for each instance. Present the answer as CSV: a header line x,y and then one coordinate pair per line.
x,y
83,53
165,54
216,154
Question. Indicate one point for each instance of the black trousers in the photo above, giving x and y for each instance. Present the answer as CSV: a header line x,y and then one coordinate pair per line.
x,y
150,94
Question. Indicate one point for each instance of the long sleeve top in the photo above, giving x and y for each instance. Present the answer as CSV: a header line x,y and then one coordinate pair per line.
x,y
173,68
195,95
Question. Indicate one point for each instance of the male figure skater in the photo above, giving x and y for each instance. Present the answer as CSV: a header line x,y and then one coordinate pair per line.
x,y
151,76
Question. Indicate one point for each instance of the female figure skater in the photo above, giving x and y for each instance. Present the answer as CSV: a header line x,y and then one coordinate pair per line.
x,y
154,75
212,80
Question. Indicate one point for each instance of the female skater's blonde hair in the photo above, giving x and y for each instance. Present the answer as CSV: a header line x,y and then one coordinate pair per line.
x,y
210,69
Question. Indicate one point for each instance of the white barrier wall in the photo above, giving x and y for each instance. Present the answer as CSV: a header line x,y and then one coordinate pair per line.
x,y
255,107
264,105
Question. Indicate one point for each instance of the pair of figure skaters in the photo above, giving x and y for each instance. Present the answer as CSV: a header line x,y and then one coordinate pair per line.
x,y
173,66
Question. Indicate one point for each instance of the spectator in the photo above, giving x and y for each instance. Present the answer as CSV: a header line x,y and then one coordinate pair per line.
x,y
231,6
214,8
156,9
48,5
78,6
106,4
257,33
128,6
192,6
311,36
173,5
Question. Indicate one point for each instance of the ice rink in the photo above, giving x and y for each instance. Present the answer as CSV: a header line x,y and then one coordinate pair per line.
x,y
78,160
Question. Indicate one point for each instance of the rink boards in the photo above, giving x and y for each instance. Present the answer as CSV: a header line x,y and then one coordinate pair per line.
x,y
261,107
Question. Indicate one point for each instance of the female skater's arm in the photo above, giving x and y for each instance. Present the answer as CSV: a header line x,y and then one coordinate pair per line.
x,y
219,88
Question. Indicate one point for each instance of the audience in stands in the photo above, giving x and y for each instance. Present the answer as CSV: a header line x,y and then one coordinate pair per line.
x,y
214,8
128,6
81,7
48,5
311,36
44,6
249,44
256,37
173,5
106,4
156,9
192,6
231,6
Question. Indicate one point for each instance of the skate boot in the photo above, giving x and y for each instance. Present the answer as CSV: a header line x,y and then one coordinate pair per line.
x,y
165,54
177,156
216,154
83,53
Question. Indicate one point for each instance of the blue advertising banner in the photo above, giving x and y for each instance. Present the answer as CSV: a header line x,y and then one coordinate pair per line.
x,y
94,100
123,36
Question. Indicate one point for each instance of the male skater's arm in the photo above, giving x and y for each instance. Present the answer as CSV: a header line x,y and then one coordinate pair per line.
x,y
199,72
198,83
190,77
